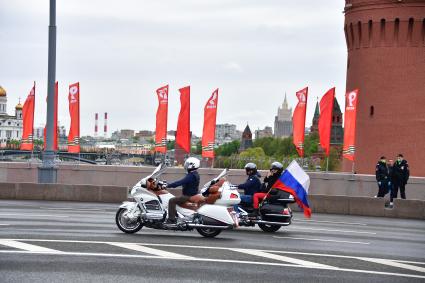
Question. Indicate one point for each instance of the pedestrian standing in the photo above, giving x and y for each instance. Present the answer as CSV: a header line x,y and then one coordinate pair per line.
x,y
382,176
400,177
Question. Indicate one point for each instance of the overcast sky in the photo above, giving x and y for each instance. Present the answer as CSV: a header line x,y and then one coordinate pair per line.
x,y
122,51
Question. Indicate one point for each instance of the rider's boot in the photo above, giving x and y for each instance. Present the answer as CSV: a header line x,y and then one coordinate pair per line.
x,y
254,213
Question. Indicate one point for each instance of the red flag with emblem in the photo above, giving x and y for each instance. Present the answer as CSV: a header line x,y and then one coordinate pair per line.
x,y
298,121
208,132
183,124
161,120
349,148
325,119
74,112
28,121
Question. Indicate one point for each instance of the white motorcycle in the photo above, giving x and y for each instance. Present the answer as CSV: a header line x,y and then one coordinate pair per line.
x,y
209,213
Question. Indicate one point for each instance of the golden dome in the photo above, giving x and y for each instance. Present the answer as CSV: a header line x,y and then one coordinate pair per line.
x,y
2,91
19,106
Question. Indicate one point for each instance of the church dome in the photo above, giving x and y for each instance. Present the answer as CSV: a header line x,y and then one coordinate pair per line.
x,y
19,106
2,91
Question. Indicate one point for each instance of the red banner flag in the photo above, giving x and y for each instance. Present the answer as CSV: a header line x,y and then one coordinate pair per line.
x,y
74,112
325,119
28,121
349,148
298,121
161,120
208,133
55,123
183,124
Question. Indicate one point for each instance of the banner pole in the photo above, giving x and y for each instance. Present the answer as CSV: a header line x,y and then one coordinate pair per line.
x,y
327,164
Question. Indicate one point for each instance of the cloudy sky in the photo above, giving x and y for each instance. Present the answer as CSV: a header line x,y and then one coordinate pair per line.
x,y
122,51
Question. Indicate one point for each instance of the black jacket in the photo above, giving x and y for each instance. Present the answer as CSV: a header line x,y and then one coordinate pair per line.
x,y
269,182
382,172
251,186
401,171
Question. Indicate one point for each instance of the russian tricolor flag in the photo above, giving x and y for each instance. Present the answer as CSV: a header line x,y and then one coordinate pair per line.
x,y
296,182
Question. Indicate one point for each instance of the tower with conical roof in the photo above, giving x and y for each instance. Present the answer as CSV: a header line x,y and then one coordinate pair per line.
x,y
283,120
315,123
337,132
246,141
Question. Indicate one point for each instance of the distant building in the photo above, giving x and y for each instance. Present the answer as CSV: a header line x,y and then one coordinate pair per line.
x,y
337,132
283,121
225,133
265,133
126,134
246,141
144,134
10,126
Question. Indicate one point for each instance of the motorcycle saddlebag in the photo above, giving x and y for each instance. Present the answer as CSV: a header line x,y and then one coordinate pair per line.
x,y
271,209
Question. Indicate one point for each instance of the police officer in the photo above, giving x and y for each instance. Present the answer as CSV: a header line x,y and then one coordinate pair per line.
x,y
252,185
190,185
382,176
401,174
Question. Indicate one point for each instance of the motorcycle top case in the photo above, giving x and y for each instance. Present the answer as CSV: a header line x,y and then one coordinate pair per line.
x,y
272,209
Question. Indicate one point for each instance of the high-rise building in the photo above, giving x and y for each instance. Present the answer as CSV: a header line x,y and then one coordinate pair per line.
x,y
283,120
386,62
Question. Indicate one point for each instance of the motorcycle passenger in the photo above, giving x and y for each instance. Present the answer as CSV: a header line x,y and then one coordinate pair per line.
x,y
252,185
276,170
189,183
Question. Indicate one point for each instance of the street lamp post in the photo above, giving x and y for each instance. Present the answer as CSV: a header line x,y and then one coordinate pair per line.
x,y
47,172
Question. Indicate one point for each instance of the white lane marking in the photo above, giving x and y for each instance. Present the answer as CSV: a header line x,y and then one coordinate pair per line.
x,y
394,264
139,248
412,262
204,247
321,240
332,230
218,261
72,209
33,215
25,246
4,224
283,258
330,222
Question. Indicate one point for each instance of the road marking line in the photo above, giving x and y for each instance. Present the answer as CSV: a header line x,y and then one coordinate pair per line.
x,y
283,258
4,224
32,215
26,247
330,222
333,230
73,209
203,247
143,249
394,264
219,261
321,240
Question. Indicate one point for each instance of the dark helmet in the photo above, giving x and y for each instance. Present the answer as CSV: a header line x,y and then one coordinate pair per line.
x,y
277,166
251,167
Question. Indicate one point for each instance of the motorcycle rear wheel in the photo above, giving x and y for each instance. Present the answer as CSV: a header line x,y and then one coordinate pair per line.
x,y
269,228
208,232
125,225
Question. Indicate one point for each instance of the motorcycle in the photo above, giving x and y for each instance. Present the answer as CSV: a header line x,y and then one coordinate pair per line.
x,y
209,214
273,213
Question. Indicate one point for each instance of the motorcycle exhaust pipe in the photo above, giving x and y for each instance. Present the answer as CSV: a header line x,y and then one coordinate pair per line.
x,y
272,223
193,225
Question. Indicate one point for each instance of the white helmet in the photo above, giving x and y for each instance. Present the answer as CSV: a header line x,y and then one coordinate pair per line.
x,y
192,163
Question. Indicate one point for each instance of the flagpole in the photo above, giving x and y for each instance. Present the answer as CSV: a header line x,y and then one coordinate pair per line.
x,y
352,167
327,164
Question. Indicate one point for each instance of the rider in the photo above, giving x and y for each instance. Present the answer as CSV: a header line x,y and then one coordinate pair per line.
x,y
276,170
252,185
189,183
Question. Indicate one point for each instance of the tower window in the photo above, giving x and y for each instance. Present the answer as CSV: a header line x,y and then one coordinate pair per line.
x,y
372,110
396,29
370,31
382,35
423,32
410,30
359,28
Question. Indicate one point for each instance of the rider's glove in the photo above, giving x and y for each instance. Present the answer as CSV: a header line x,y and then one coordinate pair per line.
x,y
163,184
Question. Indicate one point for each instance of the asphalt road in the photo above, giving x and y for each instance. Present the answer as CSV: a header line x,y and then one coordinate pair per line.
x,y
79,242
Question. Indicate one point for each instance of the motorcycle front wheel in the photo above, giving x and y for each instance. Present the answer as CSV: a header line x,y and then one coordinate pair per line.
x,y
208,232
269,228
125,224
